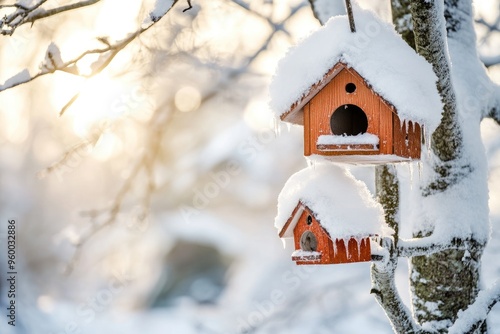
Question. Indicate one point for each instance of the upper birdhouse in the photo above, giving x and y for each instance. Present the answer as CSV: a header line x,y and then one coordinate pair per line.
x,y
330,215
362,97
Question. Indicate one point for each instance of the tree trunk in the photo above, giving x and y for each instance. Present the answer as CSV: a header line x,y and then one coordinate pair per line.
x,y
446,282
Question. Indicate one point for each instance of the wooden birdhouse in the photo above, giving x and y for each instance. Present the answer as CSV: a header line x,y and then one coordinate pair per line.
x,y
343,116
314,245
362,97
330,216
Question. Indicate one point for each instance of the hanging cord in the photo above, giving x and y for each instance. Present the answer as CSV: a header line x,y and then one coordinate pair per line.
x,y
350,15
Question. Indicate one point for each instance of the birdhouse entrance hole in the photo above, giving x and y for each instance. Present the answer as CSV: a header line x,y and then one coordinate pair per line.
x,y
308,242
349,120
350,88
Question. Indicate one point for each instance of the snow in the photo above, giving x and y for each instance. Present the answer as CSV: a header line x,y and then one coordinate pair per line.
x,y
461,211
375,159
342,204
477,311
305,254
25,3
393,69
53,59
17,79
161,8
365,138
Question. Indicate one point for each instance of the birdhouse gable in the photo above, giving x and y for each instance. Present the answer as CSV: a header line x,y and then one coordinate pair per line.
x,y
300,217
340,80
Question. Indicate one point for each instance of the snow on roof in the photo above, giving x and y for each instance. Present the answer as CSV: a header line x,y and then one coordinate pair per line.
x,y
390,66
342,204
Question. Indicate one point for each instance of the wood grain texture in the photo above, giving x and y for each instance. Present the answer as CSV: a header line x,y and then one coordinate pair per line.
x,y
333,96
320,234
307,134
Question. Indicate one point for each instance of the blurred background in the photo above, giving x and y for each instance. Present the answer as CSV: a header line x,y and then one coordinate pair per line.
x,y
149,204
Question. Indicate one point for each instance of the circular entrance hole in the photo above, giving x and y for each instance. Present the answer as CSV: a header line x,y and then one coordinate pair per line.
x,y
349,120
350,88
309,220
308,242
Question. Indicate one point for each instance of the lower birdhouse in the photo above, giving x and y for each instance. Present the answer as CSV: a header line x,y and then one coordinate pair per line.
x,y
313,244
330,216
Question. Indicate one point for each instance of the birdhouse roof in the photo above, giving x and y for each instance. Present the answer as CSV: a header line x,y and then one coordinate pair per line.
x,y
342,205
389,66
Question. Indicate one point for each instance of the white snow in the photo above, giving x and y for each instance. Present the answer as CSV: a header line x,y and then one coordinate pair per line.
x,y
17,79
461,211
305,254
367,159
342,204
52,59
160,9
25,3
393,69
364,138
477,311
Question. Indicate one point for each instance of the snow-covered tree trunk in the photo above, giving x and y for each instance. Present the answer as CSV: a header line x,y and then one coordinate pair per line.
x,y
445,282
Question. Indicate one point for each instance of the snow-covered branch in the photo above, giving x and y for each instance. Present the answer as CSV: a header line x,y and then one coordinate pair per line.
x,y
22,15
483,94
53,61
428,245
385,291
50,64
474,316
430,40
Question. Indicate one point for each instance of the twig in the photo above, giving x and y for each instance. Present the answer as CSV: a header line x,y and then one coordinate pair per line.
x,y
350,14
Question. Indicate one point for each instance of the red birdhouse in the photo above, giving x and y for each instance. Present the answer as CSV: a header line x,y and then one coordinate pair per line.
x,y
362,97
330,216
313,244
343,116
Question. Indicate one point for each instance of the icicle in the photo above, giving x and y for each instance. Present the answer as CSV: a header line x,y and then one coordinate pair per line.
x,y
277,127
283,240
359,241
335,247
346,245
419,170
410,166
427,137
288,127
